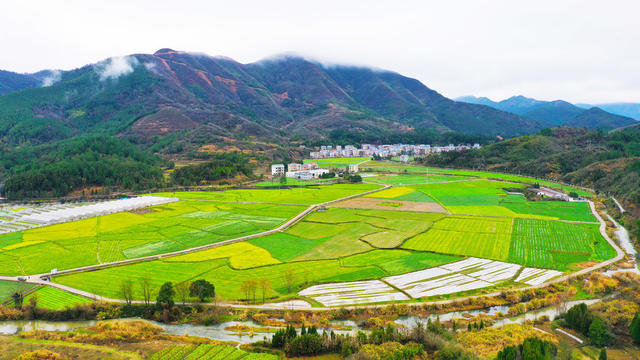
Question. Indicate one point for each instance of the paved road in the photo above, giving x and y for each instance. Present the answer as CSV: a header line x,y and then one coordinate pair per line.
x,y
37,279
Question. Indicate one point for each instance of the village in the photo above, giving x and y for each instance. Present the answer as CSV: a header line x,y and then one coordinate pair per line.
x,y
384,151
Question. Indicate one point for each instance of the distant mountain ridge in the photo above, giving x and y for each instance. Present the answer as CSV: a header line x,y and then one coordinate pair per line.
x,y
555,113
631,110
150,95
10,82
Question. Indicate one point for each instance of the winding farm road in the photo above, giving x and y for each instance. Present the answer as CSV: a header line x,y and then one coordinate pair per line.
x,y
39,279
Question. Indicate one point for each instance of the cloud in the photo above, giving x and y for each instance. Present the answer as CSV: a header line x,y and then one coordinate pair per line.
x,y
53,77
115,67
150,66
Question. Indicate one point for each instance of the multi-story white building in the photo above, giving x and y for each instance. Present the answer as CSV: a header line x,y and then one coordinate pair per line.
x,y
353,168
277,169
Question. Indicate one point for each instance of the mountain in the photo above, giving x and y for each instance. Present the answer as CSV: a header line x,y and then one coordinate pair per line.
x,y
555,113
150,95
10,82
631,110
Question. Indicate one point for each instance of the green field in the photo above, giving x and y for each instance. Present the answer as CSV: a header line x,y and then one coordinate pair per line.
x,y
469,236
300,196
54,299
489,198
165,228
335,245
7,288
208,352
395,167
294,182
553,244
337,162
412,179
341,244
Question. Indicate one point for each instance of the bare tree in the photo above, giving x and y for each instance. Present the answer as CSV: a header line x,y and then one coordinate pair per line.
x,y
244,287
126,291
265,286
249,287
289,278
145,285
182,290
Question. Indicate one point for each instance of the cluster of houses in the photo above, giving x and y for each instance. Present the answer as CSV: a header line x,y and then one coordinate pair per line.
x,y
339,151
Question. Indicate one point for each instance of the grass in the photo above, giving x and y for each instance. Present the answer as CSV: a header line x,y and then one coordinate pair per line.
x,y
55,299
166,228
557,245
469,236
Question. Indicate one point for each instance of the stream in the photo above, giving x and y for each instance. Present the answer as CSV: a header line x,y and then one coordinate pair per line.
x,y
627,245
218,332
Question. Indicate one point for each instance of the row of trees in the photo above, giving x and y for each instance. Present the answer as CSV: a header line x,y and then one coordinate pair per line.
x,y
200,289
381,343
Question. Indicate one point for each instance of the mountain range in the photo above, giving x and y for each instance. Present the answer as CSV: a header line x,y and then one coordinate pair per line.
x,y
555,113
154,95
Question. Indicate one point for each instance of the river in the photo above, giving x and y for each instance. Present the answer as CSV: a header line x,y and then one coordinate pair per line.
x,y
218,332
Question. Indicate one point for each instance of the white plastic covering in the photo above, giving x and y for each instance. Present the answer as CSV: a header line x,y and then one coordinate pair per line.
x,y
96,209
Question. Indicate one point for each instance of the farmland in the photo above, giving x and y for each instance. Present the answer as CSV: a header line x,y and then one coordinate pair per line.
x,y
299,196
54,299
412,237
337,162
395,167
208,352
160,229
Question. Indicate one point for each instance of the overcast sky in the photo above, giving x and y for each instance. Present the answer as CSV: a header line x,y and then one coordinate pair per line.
x,y
581,51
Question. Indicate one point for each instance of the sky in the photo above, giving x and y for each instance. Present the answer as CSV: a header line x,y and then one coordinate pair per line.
x,y
581,51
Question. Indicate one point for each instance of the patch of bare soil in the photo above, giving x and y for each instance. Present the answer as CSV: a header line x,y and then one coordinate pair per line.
x,y
378,204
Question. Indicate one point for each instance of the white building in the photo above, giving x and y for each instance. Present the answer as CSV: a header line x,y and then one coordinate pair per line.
x,y
353,168
404,158
306,174
277,169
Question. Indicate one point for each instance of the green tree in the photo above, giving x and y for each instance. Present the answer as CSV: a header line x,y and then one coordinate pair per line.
x,y
508,353
166,294
202,289
634,329
18,299
603,354
283,180
599,332
579,318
